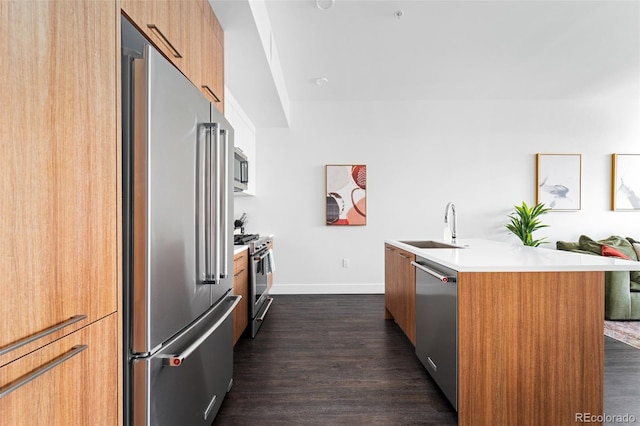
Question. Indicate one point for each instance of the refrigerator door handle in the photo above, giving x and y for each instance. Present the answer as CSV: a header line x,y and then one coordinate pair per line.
x,y
211,206
218,202
224,192
175,360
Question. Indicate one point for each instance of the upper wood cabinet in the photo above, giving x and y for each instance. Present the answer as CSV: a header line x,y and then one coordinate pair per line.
x,y
59,155
188,33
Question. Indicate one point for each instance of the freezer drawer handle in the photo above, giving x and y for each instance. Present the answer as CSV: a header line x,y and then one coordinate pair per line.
x,y
443,278
50,330
176,360
6,390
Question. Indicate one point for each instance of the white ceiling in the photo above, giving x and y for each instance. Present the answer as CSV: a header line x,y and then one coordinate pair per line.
x,y
437,50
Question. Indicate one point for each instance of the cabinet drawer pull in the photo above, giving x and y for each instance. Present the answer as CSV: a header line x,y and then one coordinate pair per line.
x,y
403,255
6,390
208,89
40,335
165,40
238,273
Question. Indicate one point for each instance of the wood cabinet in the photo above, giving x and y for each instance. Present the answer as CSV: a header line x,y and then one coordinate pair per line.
x,y
400,289
188,33
81,390
60,206
530,347
241,287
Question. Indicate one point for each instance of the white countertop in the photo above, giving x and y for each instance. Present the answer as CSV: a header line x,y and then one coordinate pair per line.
x,y
239,249
492,256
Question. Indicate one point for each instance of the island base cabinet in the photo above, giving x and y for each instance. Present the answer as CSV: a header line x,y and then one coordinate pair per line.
x,y
400,290
79,390
531,347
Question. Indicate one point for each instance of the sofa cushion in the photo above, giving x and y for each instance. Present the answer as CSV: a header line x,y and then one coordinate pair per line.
x,y
609,251
636,248
618,243
567,245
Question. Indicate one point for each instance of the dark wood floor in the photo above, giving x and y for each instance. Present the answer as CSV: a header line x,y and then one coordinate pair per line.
x,y
333,359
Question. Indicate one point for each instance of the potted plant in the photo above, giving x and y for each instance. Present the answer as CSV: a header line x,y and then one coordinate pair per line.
x,y
525,220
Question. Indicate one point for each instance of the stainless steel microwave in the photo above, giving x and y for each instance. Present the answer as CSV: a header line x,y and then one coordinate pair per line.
x,y
240,171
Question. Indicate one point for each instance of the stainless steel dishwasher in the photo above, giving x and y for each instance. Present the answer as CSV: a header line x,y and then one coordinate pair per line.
x,y
437,324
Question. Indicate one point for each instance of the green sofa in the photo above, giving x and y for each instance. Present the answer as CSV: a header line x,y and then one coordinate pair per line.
x,y
621,288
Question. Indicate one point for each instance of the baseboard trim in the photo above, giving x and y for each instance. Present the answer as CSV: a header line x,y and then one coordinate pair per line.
x,y
364,288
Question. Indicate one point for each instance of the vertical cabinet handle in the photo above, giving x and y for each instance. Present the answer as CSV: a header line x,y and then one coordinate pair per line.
x,y
74,319
165,40
6,390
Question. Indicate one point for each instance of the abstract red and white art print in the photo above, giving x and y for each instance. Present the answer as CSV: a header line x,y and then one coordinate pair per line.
x,y
346,194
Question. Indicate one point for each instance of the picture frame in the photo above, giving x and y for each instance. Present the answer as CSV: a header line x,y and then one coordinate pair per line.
x,y
346,194
559,181
625,182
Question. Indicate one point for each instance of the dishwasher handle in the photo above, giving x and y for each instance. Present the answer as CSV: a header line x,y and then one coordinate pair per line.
x,y
443,278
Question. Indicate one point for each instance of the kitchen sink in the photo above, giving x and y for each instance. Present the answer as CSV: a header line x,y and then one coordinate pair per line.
x,y
431,244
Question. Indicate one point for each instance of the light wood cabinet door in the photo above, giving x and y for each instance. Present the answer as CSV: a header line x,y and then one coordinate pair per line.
x,y
390,281
81,390
188,33
214,76
400,289
241,287
59,156
164,22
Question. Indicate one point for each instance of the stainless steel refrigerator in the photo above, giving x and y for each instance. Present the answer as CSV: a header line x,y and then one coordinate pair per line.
x,y
178,243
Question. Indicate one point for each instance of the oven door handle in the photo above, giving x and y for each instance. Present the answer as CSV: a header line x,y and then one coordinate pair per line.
x,y
261,256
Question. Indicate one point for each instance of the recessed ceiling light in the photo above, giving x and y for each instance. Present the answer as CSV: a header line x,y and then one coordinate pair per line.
x,y
324,4
322,81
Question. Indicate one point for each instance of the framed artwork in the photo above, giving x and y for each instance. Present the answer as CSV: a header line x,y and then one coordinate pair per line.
x,y
346,194
558,181
625,182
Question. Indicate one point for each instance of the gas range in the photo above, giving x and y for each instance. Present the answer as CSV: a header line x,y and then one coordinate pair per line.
x,y
244,239
254,241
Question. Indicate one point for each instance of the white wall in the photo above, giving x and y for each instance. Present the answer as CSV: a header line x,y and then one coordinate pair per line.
x,y
419,156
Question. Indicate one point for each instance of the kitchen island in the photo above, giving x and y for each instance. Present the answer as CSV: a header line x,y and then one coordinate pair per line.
x,y
530,329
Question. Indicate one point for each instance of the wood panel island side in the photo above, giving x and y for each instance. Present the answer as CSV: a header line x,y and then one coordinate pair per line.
x,y
530,329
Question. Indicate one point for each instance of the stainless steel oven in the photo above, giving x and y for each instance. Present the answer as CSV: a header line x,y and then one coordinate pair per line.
x,y
261,266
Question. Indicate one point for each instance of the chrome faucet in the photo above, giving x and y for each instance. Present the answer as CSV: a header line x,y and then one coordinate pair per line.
x,y
454,230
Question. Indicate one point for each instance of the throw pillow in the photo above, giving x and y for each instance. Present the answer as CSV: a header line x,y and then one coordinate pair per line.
x,y
636,247
609,251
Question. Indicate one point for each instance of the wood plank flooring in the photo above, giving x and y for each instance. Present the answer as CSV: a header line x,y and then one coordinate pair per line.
x,y
333,359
